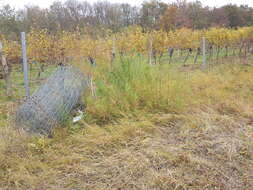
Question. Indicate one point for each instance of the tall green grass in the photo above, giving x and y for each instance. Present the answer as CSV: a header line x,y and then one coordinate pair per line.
x,y
131,85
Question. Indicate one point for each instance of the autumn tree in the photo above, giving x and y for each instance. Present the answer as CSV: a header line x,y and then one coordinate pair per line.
x,y
168,19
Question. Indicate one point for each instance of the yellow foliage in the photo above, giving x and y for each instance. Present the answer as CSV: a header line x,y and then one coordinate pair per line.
x,y
42,46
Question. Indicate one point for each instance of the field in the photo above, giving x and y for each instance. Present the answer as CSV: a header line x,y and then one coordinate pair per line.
x,y
152,95
148,127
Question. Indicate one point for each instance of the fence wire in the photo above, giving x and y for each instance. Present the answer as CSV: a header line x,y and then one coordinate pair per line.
x,y
52,102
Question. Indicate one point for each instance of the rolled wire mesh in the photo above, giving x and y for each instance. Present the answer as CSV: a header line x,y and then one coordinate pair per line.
x,y
52,102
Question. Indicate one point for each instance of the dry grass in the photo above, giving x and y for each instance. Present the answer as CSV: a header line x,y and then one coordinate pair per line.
x,y
206,146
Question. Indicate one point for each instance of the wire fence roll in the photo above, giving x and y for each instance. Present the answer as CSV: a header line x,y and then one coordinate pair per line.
x,y
52,102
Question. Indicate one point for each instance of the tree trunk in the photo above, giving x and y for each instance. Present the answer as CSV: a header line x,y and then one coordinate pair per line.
x,y
160,57
226,53
240,50
155,57
210,53
245,51
41,69
171,51
197,55
218,53
233,51
187,56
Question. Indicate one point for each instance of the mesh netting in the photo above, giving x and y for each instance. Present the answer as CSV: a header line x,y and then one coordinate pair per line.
x,y
52,102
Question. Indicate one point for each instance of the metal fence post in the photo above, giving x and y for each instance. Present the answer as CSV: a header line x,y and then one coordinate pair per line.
x,y
25,64
203,53
150,52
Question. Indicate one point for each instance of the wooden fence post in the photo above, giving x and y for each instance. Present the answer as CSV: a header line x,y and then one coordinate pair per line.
x,y
204,53
6,71
113,49
25,65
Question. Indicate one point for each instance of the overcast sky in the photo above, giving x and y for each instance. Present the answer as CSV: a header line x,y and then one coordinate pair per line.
x,y
47,3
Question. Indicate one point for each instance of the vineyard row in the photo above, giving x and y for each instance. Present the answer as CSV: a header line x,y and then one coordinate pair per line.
x,y
63,46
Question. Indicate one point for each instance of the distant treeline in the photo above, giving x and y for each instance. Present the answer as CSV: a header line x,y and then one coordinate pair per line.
x,y
151,15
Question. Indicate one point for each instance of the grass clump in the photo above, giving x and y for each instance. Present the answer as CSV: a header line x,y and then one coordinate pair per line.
x,y
130,87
